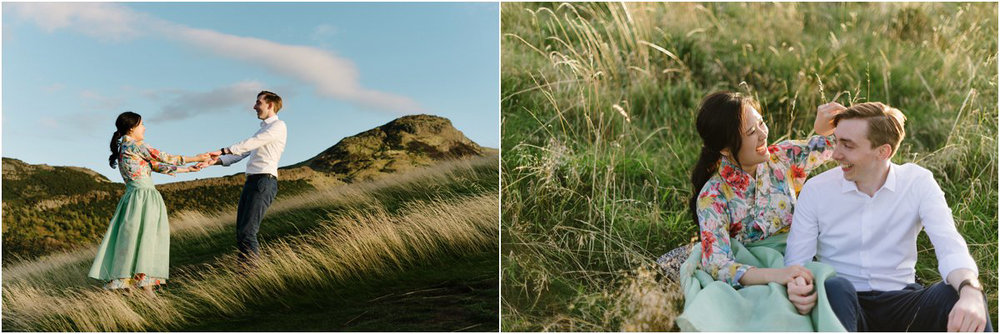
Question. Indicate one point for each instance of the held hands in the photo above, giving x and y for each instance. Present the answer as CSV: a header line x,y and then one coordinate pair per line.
x,y
208,156
969,313
204,160
206,163
798,282
824,117
802,295
786,275
188,169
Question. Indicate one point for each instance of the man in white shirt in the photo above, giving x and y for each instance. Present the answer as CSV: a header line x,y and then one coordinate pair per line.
x,y
863,219
264,150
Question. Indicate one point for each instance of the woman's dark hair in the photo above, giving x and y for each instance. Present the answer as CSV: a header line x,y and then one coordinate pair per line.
x,y
125,123
719,123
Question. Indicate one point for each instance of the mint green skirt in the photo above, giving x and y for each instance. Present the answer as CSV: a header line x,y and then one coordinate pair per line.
x,y
136,248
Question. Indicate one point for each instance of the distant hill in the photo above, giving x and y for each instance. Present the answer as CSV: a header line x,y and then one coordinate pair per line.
x,y
47,186
403,144
50,208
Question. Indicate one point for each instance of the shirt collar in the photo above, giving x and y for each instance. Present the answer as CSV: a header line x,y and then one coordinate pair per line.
x,y
845,185
725,162
890,182
269,120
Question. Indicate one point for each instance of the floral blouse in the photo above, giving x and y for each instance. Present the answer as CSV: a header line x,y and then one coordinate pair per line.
x,y
138,160
732,204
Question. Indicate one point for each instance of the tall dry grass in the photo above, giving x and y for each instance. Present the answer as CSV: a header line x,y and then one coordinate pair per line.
x,y
186,225
364,242
598,105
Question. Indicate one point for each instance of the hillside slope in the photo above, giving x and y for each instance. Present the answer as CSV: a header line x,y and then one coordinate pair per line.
x,y
52,208
412,252
405,143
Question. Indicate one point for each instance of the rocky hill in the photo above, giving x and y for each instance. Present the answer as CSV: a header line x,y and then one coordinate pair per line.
x,y
47,208
405,143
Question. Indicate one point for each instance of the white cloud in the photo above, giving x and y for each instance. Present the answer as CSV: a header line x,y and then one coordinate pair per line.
x,y
186,104
329,75
105,21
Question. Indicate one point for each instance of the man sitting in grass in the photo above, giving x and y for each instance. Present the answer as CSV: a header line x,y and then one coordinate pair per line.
x,y
863,219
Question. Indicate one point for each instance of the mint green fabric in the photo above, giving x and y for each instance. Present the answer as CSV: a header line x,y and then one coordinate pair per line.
x,y
714,306
138,237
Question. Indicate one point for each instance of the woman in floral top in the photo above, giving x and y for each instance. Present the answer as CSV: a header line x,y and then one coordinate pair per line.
x,y
748,196
135,251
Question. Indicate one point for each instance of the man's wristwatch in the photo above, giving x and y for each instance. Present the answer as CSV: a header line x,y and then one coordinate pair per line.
x,y
970,282
223,150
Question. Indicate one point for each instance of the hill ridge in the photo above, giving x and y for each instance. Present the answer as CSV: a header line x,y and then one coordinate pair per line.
x,y
47,208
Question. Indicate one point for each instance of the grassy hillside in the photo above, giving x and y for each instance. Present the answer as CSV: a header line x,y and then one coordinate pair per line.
x,y
598,106
415,251
48,209
405,143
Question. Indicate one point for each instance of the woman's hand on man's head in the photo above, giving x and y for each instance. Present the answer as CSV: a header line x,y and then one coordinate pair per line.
x,y
824,118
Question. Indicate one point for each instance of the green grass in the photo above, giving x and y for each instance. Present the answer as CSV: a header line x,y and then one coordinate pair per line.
x,y
445,295
30,232
597,111
327,253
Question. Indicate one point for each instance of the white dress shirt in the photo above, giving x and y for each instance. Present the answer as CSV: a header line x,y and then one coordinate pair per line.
x,y
264,148
872,241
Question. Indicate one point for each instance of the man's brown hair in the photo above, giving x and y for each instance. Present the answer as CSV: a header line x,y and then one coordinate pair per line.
x,y
271,98
885,123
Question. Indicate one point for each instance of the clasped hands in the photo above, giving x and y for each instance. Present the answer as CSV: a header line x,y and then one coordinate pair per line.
x,y
204,160
799,284
211,158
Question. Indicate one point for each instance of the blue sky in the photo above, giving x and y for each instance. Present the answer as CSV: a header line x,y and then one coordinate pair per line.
x,y
192,70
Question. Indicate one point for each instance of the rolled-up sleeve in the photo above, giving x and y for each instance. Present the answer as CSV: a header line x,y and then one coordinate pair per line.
x,y
805,154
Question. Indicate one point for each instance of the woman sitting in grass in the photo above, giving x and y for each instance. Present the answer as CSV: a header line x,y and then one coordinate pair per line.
x,y
745,191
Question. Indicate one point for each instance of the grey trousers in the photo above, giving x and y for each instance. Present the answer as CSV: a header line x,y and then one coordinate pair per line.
x,y
258,193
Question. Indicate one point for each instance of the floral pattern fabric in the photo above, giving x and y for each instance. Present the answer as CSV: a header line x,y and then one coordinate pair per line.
x,y
734,204
138,160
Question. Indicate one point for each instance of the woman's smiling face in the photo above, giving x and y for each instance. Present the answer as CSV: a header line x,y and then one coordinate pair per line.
x,y
753,150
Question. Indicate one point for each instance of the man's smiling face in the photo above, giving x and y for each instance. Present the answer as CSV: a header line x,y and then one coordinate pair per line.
x,y
857,158
263,108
